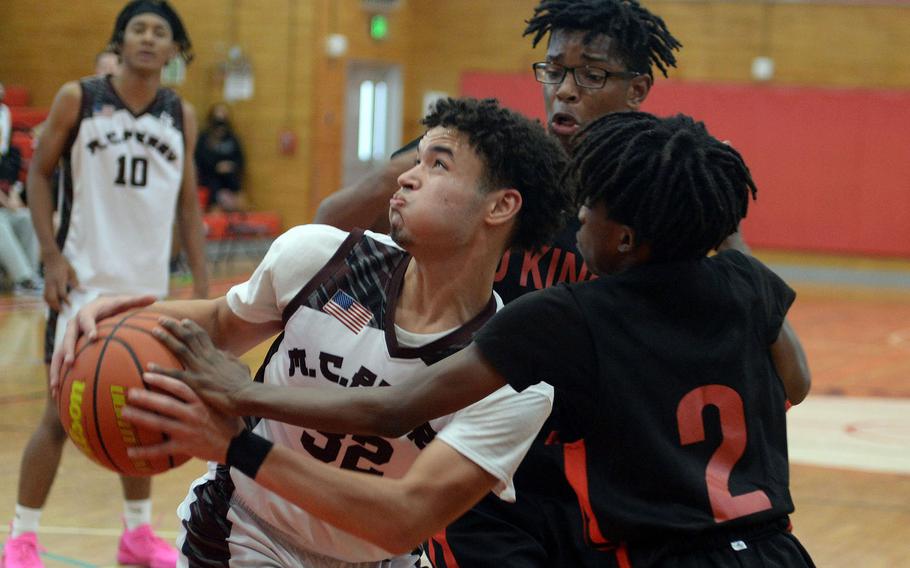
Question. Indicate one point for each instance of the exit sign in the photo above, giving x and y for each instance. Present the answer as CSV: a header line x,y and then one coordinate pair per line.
x,y
379,27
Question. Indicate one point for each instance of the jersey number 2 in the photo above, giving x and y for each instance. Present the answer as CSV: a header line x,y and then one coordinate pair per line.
x,y
724,505
138,172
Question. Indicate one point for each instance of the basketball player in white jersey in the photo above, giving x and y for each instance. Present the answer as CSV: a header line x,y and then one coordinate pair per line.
x,y
125,147
364,310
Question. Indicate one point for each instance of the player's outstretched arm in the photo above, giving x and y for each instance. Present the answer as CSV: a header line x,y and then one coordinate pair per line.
x,y
447,386
189,217
365,204
395,514
228,331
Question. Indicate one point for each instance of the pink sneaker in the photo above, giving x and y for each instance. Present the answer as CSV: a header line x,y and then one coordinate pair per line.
x,y
22,552
142,547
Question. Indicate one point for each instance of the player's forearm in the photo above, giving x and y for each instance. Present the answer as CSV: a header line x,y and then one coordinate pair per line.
x,y
192,235
444,388
40,200
203,312
329,410
380,510
359,205
214,316
791,364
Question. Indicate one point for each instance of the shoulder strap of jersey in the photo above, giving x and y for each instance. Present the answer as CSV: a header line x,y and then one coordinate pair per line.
x,y
330,268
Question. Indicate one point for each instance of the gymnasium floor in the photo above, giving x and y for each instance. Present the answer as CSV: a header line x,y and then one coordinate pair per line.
x,y
849,441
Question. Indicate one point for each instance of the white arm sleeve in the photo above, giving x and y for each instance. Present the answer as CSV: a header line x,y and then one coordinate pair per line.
x,y
496,432
291,262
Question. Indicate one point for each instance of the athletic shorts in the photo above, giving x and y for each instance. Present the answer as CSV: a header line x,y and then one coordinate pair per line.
x,y
56,321
534,532
217,532
768,545
543,528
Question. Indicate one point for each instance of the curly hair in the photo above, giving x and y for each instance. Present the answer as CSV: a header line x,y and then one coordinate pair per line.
x,y
680,189
639,38
517,153
160,8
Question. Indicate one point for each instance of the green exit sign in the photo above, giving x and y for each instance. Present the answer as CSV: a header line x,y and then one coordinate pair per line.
x,y
379,27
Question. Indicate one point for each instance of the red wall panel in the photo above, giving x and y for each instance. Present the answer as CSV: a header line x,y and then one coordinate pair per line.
x,y
832,165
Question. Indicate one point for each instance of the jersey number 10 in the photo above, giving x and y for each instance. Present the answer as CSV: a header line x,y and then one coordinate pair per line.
x,y
138,171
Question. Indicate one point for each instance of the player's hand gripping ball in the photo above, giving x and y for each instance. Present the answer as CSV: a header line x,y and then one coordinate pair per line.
x,y
93,393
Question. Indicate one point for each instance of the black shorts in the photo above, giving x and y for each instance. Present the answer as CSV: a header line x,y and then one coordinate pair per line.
x,y
49,331
534,532
768,545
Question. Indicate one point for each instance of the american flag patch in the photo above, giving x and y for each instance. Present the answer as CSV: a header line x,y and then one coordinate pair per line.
x,y
103,110
348,311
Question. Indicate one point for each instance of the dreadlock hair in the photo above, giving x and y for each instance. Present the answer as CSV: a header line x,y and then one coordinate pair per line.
x,y
517,153
680,189
157,7
639,38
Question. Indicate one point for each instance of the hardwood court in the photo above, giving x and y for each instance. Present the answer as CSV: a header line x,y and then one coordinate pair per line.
x,y
854,513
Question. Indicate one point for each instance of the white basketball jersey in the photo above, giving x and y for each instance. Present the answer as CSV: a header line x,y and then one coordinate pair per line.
x,y
120,183
339,333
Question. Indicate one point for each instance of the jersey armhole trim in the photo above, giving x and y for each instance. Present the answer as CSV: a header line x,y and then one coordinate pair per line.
x,y
330,268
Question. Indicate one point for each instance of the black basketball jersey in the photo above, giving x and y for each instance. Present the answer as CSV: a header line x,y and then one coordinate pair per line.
x,y
521,272
666,368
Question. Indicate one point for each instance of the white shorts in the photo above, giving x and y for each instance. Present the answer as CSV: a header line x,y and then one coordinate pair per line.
x,y
56,321
223,533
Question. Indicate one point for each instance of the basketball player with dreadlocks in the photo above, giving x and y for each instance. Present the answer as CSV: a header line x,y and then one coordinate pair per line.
x,y
600,58
126,147
668,364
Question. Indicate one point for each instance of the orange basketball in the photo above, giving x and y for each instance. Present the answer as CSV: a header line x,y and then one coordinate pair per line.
x,y
94,391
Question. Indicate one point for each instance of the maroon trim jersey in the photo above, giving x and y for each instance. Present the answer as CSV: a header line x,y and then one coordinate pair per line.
x,y
121,179
679,409
336,294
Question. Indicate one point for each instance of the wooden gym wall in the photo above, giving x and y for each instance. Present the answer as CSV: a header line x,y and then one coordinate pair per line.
x,y
43,44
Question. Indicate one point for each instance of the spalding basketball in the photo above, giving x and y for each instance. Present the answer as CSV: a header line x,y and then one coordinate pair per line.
x,y
94,392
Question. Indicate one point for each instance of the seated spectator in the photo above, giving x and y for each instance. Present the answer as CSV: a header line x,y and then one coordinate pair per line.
x,y
18,243
219,160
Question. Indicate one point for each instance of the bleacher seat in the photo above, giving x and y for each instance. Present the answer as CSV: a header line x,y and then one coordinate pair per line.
x,y
202,193
230,233
26,118
16,95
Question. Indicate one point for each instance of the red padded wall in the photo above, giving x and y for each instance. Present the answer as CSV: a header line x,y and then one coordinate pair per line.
x,y
832,165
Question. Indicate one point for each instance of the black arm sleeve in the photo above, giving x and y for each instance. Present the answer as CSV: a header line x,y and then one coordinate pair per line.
x,y
541,336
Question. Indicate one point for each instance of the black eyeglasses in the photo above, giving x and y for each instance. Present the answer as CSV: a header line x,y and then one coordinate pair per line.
x,y
586,76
